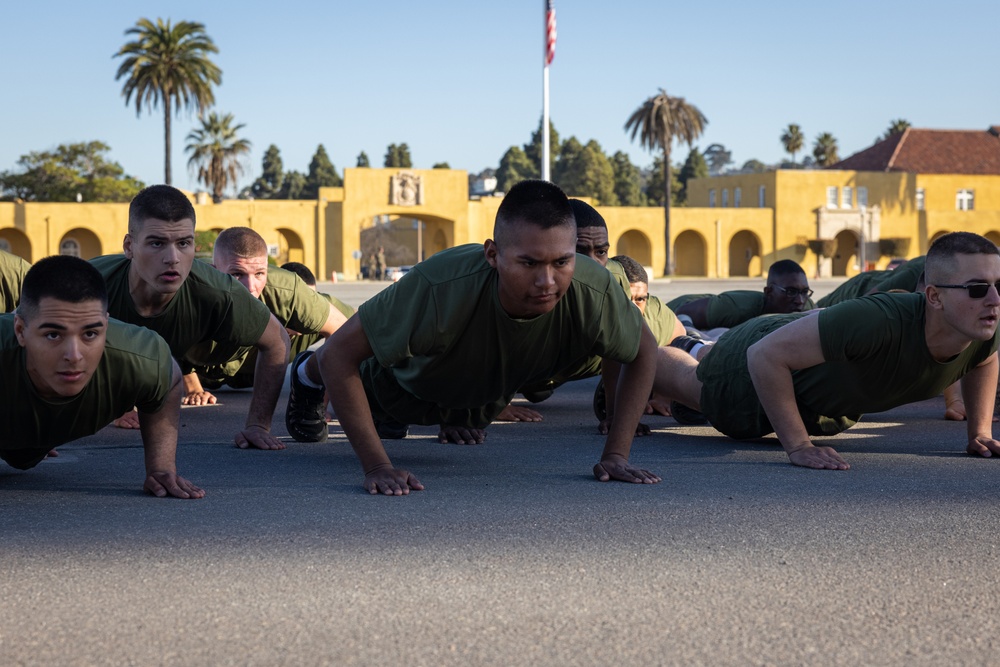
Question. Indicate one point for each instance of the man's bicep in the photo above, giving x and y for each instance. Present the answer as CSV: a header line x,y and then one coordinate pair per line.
x,y
796,345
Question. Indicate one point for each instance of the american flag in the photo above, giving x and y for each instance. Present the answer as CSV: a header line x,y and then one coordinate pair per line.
x,y
550,32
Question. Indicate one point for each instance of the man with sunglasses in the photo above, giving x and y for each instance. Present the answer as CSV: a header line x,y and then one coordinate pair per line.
x,y
817,373
787,291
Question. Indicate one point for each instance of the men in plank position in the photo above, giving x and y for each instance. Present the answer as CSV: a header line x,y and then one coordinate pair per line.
x,y
454,340
817,373
158,285
303,342
302,311
787,291
71,370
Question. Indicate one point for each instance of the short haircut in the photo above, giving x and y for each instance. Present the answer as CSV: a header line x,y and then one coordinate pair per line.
x,y
941,255
534,202
240,242
784,267
159,202
61,277
302,271
586,215
633,269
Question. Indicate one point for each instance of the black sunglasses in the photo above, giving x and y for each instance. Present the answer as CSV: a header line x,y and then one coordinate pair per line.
x,y
976,290
791,292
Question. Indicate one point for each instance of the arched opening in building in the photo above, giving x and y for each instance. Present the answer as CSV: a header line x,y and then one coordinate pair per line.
x,y
845,254
935,237
405,240
690,254
81,243
290,248
14,241
744,254
636,245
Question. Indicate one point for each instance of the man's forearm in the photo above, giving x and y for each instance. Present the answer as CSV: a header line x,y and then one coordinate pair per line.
x,y
159,433
775,390
979,393
634,387
269,375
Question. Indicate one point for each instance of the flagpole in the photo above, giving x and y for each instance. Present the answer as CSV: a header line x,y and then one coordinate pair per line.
x,y
548,52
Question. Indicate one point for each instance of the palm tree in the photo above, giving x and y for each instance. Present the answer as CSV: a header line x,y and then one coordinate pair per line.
x,y
169,65
792,139
216,151
825,150
659,121
897,126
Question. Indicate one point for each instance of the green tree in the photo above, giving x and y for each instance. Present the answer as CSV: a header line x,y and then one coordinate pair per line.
x,y
514,168
322,174
585,171
71,169
659,121
398,156
217,153
793,140
363,160
655,184
441,165
272,175
897,126
533,149
825,150
718,158
754,167
695,166
169,65
628,181
293,185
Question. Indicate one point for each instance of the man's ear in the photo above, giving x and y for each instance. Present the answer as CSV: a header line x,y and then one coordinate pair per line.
x,y
933,296
491,251
127,246
19,329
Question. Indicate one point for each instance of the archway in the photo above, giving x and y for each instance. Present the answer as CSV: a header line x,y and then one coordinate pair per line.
x,y
80,243
935,237
994,237
690,254
14,241
290,247
405,240
744,254
636,245
438,243
845,254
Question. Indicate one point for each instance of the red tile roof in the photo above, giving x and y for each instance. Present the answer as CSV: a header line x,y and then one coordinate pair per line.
x,y
931,152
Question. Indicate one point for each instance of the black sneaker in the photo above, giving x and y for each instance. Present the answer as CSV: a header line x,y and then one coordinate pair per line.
x,y
682,414
600,402
390,429
305,416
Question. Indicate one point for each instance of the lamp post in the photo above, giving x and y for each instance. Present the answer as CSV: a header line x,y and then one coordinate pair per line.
x,y
864,250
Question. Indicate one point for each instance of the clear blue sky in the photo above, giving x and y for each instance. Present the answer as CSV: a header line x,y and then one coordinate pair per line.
x,y
460,81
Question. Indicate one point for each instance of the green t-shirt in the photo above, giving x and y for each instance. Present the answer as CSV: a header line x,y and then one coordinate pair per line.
x,y
731,308
12,270
660,320
876,359
853,287
905,277
679,301
293,303
447,352
303,342
210,306
135,370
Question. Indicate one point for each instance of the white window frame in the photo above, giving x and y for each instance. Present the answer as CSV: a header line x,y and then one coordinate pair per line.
x,y
965,200
737,197
862,196
725,197
711,198
761,196
831,196
847,197
921,199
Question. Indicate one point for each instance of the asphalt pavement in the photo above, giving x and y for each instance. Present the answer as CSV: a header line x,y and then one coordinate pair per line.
x,y
513,554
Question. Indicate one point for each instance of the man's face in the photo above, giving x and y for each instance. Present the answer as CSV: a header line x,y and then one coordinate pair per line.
x,y
972,319
63,343
640,295
535,268
162,253
786,294
593,242
250,271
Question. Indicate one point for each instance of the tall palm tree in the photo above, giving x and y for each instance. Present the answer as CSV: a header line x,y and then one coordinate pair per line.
x,y
659,121
217,153
792,139
825,150
169,65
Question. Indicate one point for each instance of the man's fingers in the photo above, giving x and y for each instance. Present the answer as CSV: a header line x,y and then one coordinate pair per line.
x,y
601,474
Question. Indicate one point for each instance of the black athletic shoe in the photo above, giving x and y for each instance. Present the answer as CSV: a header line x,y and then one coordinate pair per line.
x,y
682,414
538,396
391,429
600,402
305,416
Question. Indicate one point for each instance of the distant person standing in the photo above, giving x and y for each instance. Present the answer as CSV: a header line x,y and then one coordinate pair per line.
x,y
380,264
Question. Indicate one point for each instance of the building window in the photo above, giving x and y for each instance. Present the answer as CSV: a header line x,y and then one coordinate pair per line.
x,y
862,197
725,197
831,197
69,247
847,197
5,245
920,199
761,192
737,197
965,200
711,198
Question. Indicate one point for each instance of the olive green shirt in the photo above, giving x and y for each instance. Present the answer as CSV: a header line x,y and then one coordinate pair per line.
x,y
12,270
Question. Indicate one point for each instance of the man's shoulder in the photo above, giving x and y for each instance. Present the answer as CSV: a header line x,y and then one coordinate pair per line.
x,y
12,263
108,264
591,274
134,340
460,262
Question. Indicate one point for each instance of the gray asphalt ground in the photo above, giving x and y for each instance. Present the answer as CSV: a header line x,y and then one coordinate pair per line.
x,y
513,554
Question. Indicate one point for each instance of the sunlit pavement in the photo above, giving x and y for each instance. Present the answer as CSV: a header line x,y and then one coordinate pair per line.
x,y
512,555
